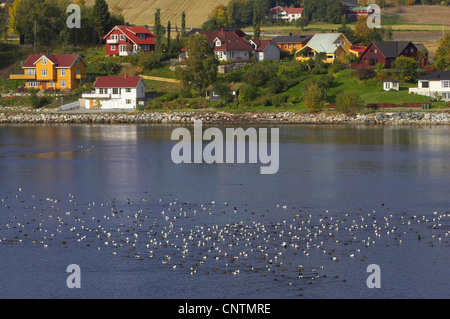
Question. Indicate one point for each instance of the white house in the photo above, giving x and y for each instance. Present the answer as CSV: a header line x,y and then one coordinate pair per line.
x,y
265,50
288,14
433,85
391,84
116,92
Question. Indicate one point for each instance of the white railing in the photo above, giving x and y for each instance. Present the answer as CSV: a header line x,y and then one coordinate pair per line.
x,y
93,95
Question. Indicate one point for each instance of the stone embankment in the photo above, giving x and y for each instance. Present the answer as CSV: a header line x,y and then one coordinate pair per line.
x,y
381,118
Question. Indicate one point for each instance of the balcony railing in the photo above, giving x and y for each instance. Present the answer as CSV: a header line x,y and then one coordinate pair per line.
x,y
80,76
22,76
112,41
93,95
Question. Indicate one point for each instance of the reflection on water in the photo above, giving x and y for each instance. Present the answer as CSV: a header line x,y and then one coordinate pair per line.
x,y
358,174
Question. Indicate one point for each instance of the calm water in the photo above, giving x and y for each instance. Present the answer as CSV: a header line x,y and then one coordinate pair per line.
x,y
109,199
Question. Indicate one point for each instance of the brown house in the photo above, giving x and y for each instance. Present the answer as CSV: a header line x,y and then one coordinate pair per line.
x,y
386,52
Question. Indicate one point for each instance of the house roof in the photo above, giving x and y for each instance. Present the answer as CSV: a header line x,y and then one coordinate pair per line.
x,y
323,42
351,3
262,44
421,47
229,40
292,39
293,10
391,80
59,60
437,76
391,49
276,9
358,48
117,81
131,33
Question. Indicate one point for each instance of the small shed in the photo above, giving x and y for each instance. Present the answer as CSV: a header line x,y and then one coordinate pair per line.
x,y
391,84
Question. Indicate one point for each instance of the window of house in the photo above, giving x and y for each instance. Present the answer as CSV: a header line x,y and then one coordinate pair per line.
x,y
44,61
62,72
113,47
122,48
113,36
446,84
122,37
128,101
31,72
425,84
63,83
78,71
128,90
116,91
32,84
51,84
44,72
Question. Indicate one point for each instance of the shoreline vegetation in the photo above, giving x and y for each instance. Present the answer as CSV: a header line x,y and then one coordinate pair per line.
x,y
12,116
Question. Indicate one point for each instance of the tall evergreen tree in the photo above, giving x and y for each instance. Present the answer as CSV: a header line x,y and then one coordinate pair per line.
x,y
168,37
158,35
183,24
102,18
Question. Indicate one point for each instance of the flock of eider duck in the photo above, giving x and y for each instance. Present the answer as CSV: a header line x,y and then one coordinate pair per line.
x,y
280,243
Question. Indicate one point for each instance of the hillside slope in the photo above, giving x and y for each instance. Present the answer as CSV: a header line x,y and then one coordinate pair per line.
x,y
143,11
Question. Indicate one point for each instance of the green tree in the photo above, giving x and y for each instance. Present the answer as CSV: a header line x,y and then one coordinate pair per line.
x,y
201,64
158,31
3,23
314,97
169,48
102,18
183,24
260,8
442,58
349,102
302,23
247,93
407,67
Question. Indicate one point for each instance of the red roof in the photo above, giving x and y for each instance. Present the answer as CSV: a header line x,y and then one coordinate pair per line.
x,y
293,10
261,44
117,81
275,10
59,60
358,48
229,40
131,33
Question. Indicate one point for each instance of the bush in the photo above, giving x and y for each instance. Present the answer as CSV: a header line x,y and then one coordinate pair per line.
x,y
365,74
349,102
247,93
36,101
314,98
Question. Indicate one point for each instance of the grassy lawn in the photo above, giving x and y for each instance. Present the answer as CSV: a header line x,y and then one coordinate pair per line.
x,y
346,81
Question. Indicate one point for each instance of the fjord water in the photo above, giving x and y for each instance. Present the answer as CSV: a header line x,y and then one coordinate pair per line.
x,y
109,199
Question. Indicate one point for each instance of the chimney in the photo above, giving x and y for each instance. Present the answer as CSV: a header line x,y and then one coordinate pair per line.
x,y
221,31
124,75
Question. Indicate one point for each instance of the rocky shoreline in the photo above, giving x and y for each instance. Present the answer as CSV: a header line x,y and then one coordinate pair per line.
x,y
380,118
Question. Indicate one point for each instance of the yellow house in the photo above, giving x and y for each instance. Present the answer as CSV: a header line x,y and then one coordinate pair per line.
x,y
334,46
291,42
58,72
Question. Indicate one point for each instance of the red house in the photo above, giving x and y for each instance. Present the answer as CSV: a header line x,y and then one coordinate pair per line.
x,y
386,52
126,40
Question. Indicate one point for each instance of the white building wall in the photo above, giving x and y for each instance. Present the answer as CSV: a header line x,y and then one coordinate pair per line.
x,y
434,87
